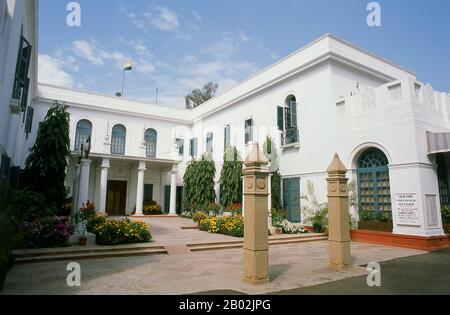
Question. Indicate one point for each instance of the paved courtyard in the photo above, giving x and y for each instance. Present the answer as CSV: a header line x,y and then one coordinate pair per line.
x,y
291,266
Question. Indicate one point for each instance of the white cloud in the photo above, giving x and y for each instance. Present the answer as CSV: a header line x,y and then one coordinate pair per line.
x,y
165,19
196,15
87,51
51,72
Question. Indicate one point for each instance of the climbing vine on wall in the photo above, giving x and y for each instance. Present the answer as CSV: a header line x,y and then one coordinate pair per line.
x,y
231,178
270,151
199,183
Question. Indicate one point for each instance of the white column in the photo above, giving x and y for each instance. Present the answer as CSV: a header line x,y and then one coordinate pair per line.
x,y
76,186
173,191
103,185
140,188
217,189
83,191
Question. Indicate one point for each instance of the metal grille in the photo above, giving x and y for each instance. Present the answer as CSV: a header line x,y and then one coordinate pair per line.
x,y
373,182
84,131
151,138
118,140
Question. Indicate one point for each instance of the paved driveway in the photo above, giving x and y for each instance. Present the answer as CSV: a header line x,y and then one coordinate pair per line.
x,y
291,266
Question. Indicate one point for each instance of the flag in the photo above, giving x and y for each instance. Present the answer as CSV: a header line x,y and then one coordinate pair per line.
x,y
128,66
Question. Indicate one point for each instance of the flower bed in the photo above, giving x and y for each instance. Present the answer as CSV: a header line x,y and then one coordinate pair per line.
x,y
109,232
48,232
152,209
292,228
122,232
232,226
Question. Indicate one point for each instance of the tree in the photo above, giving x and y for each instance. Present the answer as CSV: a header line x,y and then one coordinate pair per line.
x,y
231,177
199,184
270,151
45,167
198,97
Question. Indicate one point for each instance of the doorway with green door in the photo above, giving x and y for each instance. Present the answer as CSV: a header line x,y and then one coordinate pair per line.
x,y
291,199
179,199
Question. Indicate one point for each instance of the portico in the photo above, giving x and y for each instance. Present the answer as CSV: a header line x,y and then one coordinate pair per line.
x,y
120,185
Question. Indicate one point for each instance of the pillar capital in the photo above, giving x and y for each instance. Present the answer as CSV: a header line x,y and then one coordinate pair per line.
x,y
85,162
105,163
142,166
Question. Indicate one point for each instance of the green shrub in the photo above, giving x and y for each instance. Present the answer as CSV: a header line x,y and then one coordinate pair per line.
x,y
122,232
380,216
152,209
232,226
446,214
47,232
198,216
278,216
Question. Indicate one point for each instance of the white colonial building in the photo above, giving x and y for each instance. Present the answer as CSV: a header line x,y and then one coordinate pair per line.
x,y
18,83
390,130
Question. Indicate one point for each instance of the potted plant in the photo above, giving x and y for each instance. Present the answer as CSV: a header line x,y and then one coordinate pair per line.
x,y
80,227
278,216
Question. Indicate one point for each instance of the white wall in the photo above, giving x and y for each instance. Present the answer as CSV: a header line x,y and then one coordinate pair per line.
x,y
12,136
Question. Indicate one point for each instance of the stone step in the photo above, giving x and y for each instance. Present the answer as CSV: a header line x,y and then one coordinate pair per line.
x,y
240,244
92,255
71,253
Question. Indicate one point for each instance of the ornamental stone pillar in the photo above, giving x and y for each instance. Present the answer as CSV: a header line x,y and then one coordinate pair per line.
x,y
103,185
338,215
140,189
256,192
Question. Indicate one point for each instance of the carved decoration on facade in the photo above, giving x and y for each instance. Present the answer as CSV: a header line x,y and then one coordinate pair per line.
x,y
428,96
368,100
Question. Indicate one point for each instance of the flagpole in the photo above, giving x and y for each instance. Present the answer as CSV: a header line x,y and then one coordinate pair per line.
x,y
123,80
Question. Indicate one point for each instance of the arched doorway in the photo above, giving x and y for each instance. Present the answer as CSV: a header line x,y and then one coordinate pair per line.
x,y
374,190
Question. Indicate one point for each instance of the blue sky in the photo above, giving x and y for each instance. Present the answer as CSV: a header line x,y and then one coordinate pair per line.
x,y
177,46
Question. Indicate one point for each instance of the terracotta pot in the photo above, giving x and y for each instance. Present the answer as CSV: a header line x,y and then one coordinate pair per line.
x,y
82,241
278,231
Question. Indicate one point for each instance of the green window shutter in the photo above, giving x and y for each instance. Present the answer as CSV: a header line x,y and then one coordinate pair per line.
x,y
280,118
29,120
24,100
209,142
248,130
293,119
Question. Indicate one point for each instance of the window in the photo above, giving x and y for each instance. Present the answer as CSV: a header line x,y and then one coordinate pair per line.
x,y
248,130
180,146
118,140
148,193
373,181
5,167
29,120
193,150
83,132
292,199
287,121
151,137
20,89
209,142
227,137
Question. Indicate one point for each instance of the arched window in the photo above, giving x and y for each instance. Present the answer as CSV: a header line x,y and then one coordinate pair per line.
x,y
83,132
373,181
151,137
118,140
288,121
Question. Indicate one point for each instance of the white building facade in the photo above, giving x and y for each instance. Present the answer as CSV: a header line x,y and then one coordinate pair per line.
x,y
391,131
328,97
18,83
